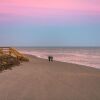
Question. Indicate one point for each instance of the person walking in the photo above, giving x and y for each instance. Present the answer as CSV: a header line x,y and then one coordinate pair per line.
x,y
50,58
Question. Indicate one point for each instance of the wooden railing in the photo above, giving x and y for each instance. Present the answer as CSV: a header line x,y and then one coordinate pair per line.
x,y
12,52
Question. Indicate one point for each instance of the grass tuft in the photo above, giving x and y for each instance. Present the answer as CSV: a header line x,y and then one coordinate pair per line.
x,y
7,62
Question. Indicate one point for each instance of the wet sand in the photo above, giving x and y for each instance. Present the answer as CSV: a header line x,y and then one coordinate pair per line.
x,y
43,80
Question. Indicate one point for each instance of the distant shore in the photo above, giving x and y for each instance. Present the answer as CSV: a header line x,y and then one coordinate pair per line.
x,y
39,79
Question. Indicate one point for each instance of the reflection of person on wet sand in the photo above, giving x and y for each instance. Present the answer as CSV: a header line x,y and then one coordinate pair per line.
x,y
50,58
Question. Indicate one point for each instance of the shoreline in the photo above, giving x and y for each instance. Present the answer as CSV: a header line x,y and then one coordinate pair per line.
x,y
82,56
63,61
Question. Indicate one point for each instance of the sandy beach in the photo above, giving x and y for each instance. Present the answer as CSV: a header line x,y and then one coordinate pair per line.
x,y
43,80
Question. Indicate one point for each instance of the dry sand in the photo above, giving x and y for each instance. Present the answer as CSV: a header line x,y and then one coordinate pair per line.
x,y
43,80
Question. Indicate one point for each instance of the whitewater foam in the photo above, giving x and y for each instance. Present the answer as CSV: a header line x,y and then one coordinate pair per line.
x,y
83,56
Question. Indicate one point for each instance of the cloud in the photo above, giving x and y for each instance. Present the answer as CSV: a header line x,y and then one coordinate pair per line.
x,y
82,5
49,10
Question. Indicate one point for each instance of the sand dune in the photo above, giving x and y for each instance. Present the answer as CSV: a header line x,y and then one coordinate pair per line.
x,y
43,80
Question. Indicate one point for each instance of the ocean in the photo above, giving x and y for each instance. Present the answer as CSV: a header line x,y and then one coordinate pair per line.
x,y
89,56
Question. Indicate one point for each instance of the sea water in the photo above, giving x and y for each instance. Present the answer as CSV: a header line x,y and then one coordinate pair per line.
x,y
88,56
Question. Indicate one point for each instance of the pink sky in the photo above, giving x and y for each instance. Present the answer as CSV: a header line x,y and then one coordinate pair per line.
x,y
25,7
46,21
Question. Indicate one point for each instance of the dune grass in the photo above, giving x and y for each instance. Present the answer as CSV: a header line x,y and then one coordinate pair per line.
x,y
8,61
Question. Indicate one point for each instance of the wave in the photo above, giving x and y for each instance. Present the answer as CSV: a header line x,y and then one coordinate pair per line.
x,y
84,58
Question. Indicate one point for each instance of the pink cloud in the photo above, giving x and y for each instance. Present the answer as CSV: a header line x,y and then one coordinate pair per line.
x,y
84,5
49,9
